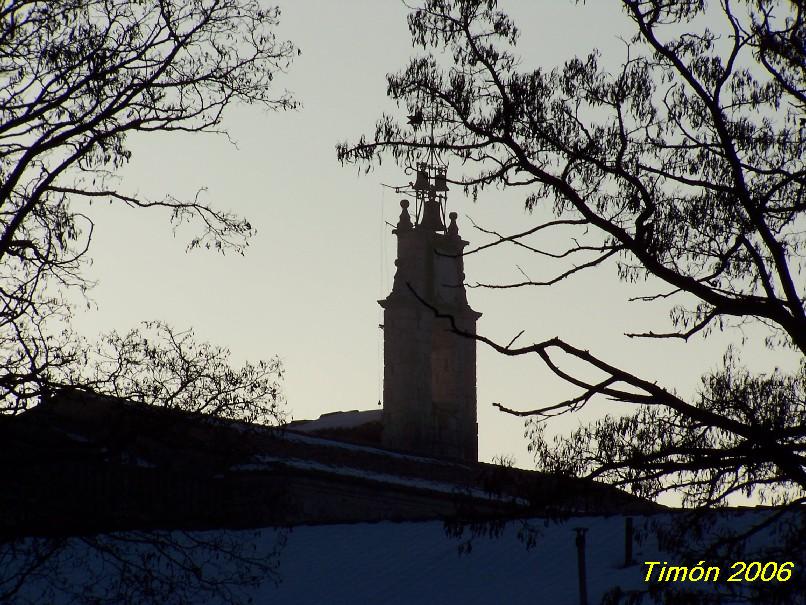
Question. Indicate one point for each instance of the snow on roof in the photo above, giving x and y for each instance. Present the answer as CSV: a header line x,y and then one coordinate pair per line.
x,y
337,420
263,463
291,435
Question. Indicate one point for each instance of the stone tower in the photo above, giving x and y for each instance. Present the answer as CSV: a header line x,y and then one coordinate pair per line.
x,y
429,386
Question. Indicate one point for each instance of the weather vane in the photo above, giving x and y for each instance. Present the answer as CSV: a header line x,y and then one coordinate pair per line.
x,y
430,187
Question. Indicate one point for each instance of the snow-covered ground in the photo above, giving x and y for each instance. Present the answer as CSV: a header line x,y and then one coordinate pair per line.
x,y
382,563
418,563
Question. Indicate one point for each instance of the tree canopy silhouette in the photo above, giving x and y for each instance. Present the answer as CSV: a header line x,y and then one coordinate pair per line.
x,y
79,77
685,167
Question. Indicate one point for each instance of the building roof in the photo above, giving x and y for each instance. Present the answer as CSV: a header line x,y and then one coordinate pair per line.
x,y
84,450
443,531
336,420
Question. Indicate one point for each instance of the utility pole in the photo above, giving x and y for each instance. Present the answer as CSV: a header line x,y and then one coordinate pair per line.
x,y
628,538
583,581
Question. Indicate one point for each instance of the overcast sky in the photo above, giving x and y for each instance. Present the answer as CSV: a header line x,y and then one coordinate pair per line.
x,y
308,287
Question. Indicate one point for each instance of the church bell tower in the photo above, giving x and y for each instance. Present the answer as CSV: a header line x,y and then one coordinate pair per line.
x,y
429,386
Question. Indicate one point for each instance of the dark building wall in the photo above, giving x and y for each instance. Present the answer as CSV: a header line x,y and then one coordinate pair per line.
x,y
86,464
88,497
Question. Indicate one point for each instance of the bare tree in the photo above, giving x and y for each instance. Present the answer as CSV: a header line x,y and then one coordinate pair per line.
x,y
158,365
686,167
79,77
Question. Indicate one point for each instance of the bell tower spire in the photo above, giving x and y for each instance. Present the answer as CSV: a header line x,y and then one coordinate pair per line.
x,y
429,388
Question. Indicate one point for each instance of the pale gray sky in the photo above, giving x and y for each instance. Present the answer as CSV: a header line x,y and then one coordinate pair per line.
x,y
308,286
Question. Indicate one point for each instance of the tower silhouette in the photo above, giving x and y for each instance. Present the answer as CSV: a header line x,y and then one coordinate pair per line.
x,y
429,388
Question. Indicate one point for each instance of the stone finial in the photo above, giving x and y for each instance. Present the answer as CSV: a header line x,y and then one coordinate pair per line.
x,y
453,229
404,223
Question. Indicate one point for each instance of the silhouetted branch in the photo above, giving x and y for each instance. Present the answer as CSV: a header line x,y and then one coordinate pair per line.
x,y
77,79
765,443
688,163
553,280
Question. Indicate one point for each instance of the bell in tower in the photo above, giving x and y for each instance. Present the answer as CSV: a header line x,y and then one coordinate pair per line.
x,y
429,388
